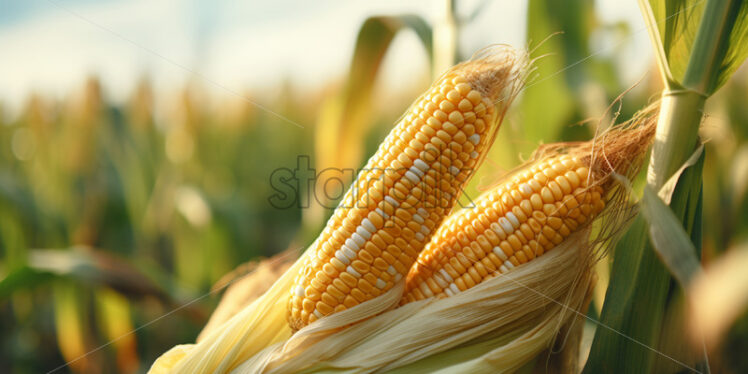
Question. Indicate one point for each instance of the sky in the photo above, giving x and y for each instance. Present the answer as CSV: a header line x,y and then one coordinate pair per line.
x,y
51,46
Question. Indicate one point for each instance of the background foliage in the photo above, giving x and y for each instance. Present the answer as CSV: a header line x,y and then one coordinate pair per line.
x,y
114,219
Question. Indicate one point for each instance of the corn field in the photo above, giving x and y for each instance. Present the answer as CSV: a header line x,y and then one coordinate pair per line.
x,y
130,228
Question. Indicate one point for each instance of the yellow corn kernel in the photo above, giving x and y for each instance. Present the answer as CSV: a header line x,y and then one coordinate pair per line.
x,y
510,225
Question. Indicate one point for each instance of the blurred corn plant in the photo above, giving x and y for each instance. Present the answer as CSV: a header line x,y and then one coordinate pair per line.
x,y
112,216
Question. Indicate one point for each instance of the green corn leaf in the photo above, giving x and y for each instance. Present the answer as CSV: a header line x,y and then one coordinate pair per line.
x,y
22,278
677,22
666,232
638,286
720,46
88,267
344,120
737,46
700,55
641,285
669,238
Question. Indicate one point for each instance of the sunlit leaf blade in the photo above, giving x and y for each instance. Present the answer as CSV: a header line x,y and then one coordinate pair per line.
x,y
343,119
722,41
669,238
736,48
677,23
339,134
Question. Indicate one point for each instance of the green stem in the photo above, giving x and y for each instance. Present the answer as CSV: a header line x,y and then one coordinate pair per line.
x,y
682,103
677,134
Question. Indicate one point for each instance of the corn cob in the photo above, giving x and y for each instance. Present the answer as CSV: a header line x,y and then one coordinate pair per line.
x,y
405,190
509,226
532,212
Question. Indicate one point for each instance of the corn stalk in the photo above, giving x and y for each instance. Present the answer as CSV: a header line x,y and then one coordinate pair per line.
x,y
641,288
683,103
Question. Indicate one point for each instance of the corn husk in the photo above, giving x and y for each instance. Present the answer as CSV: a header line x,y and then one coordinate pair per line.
x,y
244,285
509,314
